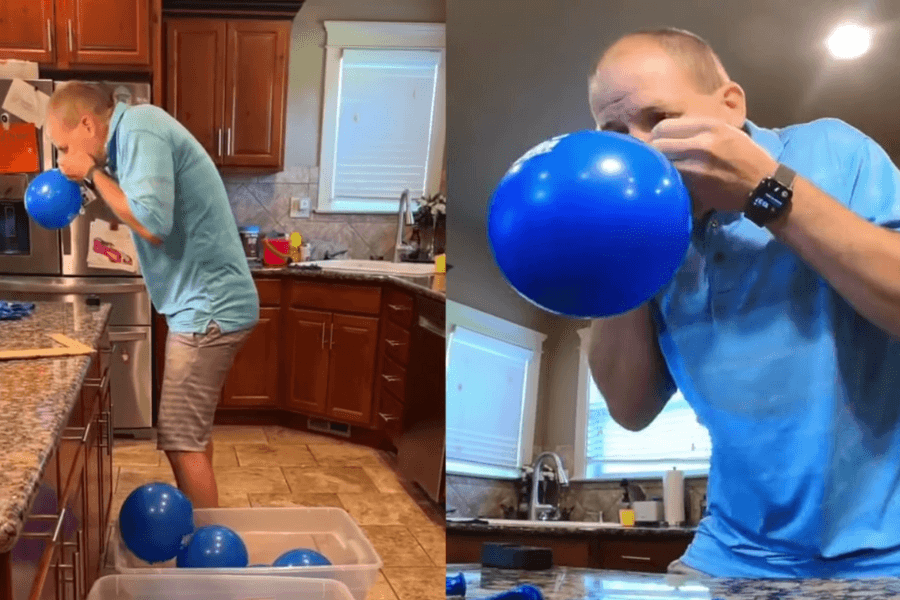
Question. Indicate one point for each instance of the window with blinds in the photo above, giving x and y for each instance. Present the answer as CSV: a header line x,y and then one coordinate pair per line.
x,y
492,377
385,126
674,439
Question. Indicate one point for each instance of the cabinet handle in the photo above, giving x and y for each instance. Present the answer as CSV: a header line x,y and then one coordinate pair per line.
x,y
49,37
228,146
398,307
388,418
644,558
394,343
71,43
219,136
323,336
84,436
331,340
390,378
77,565
41,536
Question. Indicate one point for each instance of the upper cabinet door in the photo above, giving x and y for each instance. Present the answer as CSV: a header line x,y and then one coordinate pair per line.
x,y
107,32
255,89
195,88
27,30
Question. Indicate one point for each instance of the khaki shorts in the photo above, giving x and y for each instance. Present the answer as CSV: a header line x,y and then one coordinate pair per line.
x,y
197,365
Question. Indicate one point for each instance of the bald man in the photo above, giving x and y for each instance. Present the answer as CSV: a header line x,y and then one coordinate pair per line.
x,y
158,180
780,327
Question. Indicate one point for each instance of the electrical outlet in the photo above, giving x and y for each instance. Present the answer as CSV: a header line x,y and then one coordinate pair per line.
x,y
300,208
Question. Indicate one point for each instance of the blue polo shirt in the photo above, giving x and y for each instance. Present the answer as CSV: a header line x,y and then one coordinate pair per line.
x,y
800,394
199,273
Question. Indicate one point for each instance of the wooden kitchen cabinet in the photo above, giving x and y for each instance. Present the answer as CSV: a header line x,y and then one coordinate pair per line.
x,y
253,379
73,498
227,83
332,364
75,33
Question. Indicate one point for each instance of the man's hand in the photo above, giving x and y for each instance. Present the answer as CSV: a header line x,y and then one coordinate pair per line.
x,y
75,165
720,164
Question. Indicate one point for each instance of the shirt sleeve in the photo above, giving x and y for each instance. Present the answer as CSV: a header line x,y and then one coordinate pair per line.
x,y
669,387
875,186
147,177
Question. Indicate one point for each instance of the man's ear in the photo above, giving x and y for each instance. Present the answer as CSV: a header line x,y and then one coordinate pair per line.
x,y
734,102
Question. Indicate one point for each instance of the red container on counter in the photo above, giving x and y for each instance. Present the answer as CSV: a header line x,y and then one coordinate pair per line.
x,y
276,252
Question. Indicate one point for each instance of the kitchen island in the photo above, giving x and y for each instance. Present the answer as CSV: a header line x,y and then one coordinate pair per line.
x,y
567,583
55,452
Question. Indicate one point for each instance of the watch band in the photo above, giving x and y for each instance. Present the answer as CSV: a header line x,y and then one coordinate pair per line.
x,y
785,176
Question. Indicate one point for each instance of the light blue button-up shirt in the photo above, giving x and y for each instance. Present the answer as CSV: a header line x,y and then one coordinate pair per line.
x,y
199,273
801,394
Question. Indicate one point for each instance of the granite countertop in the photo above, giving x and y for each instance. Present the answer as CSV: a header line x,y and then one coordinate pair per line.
x,y
432,286
567,583
36,398
563,528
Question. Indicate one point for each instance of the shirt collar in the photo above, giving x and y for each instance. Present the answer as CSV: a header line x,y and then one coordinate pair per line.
x,y
114,120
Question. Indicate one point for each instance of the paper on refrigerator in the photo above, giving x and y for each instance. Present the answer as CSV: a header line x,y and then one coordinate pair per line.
x,y
26,102
111,248
18,69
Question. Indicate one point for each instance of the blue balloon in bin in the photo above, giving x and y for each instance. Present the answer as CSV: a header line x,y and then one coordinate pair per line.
x,y
301,557
214,547
53,200
154,521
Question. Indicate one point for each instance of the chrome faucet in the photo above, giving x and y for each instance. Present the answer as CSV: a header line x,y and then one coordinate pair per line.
x,y
404,217
536,476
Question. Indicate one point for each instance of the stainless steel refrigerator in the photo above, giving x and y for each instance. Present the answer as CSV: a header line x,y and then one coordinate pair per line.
x,y
38,264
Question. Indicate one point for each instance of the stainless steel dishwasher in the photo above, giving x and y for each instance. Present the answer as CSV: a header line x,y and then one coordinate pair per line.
x,y
421,449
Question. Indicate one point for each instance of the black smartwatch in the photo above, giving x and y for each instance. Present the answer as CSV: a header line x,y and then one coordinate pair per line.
x,y
772,197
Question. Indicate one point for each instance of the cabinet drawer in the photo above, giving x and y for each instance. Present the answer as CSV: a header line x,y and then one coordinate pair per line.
x,y
269,291
393,377
650,556
399,307
396,342
336,297
390,416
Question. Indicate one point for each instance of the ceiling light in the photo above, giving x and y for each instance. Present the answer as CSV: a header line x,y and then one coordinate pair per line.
x,y
849,40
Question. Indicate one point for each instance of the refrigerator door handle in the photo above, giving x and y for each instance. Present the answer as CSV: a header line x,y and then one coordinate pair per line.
x,y
67,242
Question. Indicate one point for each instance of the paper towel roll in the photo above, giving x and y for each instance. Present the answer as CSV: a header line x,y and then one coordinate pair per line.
x,y
673,497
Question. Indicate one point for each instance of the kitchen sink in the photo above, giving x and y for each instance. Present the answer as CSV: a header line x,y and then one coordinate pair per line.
x,y
551,524
376,266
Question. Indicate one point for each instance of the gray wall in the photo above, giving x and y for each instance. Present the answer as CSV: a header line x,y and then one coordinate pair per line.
x,y
265,200
517,74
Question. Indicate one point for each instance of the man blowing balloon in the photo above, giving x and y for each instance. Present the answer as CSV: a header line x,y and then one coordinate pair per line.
x,y
780,326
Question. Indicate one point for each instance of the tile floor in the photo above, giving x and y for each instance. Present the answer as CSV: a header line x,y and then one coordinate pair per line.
x,y
275,466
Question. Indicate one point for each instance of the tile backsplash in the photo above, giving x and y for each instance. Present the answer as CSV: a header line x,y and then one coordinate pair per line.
x,y
477,497
265,200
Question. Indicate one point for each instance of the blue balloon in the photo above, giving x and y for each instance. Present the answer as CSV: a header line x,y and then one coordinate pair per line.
x,y
301,557
53,200
590,224
213,547
154,521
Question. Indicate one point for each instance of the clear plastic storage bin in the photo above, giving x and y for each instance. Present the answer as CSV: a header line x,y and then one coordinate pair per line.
x,y
213,587
268,533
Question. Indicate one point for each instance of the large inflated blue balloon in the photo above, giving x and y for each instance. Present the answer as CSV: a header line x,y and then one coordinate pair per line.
x,y
301,557
154,521
53,200
590,224
213,547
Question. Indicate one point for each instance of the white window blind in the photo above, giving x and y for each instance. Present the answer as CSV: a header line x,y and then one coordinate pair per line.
x,y
674,439
492,372
385,124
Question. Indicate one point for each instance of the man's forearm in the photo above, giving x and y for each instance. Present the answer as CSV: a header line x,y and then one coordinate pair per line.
x,y
859,259
115,198
627,366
